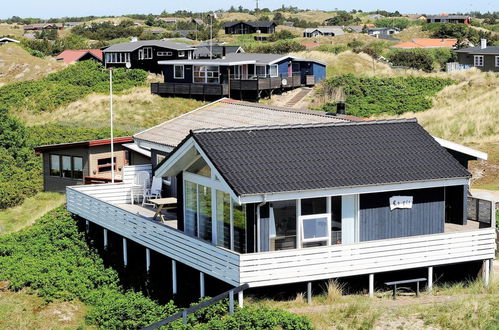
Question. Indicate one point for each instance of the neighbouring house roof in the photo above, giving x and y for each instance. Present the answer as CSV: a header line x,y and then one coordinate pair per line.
x,y
427,43
168,19
447,17
240,58
42,26
252,24
415,16
489,50
91,143
372,29
326,29
134,45
71,56
228,113
6,39
204,51
198,21
263,160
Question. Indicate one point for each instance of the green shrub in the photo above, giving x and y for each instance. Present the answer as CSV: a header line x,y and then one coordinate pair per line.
x,y
68,85
368,96
282,35
335,49
415,59
53,258
278,47
400,23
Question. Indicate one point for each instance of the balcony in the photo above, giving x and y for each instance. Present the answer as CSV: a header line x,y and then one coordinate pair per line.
x,y
109,205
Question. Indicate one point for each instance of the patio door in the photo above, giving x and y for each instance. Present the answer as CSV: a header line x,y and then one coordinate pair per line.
x,y
349,219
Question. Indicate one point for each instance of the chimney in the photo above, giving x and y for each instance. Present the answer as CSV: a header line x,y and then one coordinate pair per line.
x,y
134,39
483,43
223,51
340,108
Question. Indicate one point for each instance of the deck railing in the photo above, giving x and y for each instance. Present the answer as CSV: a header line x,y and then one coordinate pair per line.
x,y
100,204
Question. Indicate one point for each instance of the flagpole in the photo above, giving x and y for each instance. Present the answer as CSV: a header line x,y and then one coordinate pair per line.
x,y
111,111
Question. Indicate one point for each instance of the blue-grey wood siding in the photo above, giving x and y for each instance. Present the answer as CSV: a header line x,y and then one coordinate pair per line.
x,y
377,221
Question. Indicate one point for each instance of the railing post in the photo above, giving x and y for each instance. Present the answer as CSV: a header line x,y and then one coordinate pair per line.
x,y
240,299
371,285
105,238
125,253
231,302
148,260
430,279
201,284
309,293
174,277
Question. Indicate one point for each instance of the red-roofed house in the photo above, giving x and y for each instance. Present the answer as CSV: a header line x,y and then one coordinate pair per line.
x,y
427,43
71,56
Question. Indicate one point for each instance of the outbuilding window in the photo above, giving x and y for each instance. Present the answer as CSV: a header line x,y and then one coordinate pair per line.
x,y
497,61
178,71
478,60
66,166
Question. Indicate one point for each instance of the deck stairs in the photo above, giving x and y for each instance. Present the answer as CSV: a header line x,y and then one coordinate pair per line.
x,y
303,91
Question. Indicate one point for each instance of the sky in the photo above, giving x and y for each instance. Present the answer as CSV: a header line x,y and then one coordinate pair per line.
x,y
62,8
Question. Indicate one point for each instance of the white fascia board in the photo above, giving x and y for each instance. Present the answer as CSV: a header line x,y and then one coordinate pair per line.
x,y
269,197
279,59
462,149
153,145
211,63
135,147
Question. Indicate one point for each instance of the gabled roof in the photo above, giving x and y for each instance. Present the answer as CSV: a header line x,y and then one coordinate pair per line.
x,y
266,160
493,50
427,43
253,24
337,30
227,113
133,45
70,56
241,58
204,51
447,16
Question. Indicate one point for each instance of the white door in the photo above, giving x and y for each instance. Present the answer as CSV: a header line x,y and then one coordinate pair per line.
x,y
349,221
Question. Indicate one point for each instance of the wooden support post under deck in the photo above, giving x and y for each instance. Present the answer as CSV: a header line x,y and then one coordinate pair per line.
x,y
486,272
430,278
201,284
240,299
105,238
174,277
309,293
231,302
148,260
87,226
371,285
125,253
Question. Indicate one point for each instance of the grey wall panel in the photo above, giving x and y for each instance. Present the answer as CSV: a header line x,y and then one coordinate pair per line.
x,y
426,216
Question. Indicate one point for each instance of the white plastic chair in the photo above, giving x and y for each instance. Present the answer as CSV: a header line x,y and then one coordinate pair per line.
x,y
153,192
140,184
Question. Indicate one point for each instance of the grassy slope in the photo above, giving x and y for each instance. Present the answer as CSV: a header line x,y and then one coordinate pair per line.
x,y
412,32
22,310
17,65
134,110
15,218
455,307
11,30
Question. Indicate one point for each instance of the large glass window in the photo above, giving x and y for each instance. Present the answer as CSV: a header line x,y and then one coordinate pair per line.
x,y
313,206
204,223
104,164
78,167
191,206
206,74
261,71
55,165
282,230
223,220
239,214
66,166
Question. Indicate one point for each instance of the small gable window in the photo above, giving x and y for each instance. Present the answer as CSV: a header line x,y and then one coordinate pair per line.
x,y
200,167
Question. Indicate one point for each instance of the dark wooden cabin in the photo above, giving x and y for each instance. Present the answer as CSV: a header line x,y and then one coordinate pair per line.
x,y
249,27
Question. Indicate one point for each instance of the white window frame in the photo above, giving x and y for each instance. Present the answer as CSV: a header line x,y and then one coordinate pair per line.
x,y
276,66
146,53
497,61
206,74
164,53
181,53
174,71
264,70
326,238
478,60
120,57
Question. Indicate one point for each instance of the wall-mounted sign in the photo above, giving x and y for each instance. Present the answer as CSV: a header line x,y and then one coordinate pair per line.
x,y
400,202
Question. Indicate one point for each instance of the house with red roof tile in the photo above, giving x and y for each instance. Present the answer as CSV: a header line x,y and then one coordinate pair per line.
x,y
70,56
427,43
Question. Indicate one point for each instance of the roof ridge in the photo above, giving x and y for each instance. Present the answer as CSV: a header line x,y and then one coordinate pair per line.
x,y
305,125
277,108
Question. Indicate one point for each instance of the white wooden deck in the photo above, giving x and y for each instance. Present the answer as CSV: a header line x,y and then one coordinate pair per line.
x,y
169,218
109,206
